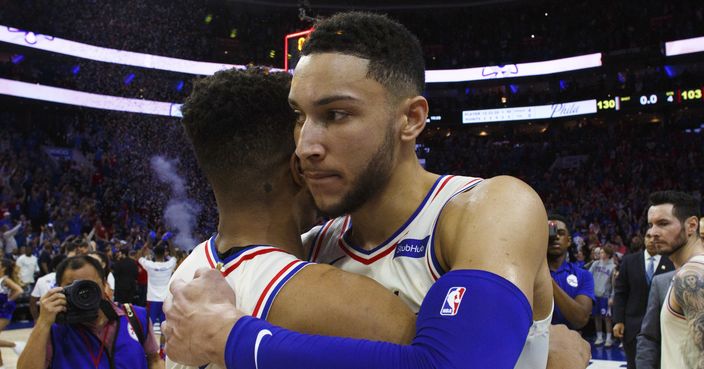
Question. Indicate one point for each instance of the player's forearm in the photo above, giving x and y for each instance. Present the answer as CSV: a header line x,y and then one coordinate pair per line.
x,y
493,309
572,309
377,315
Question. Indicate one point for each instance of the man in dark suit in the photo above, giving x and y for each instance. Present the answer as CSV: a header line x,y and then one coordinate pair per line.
x,y
648,345
125,271
631,294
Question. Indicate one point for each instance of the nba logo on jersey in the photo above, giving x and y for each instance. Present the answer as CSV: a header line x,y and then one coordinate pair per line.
x,y
452,301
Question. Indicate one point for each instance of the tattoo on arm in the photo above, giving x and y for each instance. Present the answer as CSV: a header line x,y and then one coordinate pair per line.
x,y
688,287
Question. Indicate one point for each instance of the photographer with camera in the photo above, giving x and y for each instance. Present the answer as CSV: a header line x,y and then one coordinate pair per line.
x,y
80,328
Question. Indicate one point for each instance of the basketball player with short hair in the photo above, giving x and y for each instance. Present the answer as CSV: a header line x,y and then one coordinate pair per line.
x,y
494,272
672,221
241,130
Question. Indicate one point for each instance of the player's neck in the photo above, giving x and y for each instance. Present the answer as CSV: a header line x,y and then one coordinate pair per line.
x,y
258,226
376,220
693,248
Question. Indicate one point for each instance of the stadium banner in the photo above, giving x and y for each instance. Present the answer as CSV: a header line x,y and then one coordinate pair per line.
x,y
514,70
686,46
551,111
54,44
90,100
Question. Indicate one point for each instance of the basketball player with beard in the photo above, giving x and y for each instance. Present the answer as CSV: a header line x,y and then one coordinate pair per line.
x,y
672,221
452,254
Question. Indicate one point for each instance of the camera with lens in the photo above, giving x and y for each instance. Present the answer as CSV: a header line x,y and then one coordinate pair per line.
x,y
552,232
82,302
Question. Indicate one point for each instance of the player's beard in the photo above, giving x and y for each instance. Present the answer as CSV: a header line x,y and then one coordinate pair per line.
x,y
677,245
370,181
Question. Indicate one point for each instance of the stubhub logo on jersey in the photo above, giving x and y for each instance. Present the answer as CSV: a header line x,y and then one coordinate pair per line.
x,y
452,301
411,248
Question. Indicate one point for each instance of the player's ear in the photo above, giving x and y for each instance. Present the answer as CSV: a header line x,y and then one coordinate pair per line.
x,y
691,225
296,172
415,113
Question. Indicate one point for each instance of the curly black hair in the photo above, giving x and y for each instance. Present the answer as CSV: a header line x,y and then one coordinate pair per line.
x,y
241,127
394,53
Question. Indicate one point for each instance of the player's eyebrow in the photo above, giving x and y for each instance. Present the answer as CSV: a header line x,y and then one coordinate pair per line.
x,y
332,99
326,100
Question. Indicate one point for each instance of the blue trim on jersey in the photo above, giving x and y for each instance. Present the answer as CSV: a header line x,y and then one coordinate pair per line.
x,y
276,289
400,229
433,256
338,259
216,258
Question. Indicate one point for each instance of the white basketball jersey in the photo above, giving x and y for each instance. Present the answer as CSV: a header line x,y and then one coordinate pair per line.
x,y
678,348
406,262
256,274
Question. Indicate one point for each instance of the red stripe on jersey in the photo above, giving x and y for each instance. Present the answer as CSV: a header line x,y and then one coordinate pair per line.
x,y
271,283
430,267
672,311
320,239
363,260
472,182
249,257
444,182
207,255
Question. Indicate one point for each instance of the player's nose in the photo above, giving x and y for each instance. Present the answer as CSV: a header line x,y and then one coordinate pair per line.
x,y
310,142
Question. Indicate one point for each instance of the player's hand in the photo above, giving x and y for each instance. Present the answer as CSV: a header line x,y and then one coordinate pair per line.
x,y
567,349
52,303
618,330
199,317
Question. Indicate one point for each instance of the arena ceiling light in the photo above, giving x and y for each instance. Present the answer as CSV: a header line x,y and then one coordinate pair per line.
x,y
686,46
90,100
103,54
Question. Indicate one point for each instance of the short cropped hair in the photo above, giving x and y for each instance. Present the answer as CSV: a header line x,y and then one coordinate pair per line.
x,y
684,205
240,126
394,53
78,262
561,218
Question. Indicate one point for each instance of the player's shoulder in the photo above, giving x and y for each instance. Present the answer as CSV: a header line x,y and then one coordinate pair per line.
x,y
694,267
503,197
195,260
496,191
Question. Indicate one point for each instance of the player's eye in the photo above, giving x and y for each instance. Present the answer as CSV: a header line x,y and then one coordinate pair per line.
x,y
335,115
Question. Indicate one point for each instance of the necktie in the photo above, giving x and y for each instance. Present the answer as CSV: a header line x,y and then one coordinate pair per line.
x,y
651,269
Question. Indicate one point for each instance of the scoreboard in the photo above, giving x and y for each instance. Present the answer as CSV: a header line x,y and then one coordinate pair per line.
x,y
652,99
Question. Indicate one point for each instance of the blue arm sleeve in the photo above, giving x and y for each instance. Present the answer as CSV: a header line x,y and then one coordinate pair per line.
x,y
468,319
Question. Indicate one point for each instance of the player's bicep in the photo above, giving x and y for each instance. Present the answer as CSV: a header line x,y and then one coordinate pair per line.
x,y
501,227
321,299
688,286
